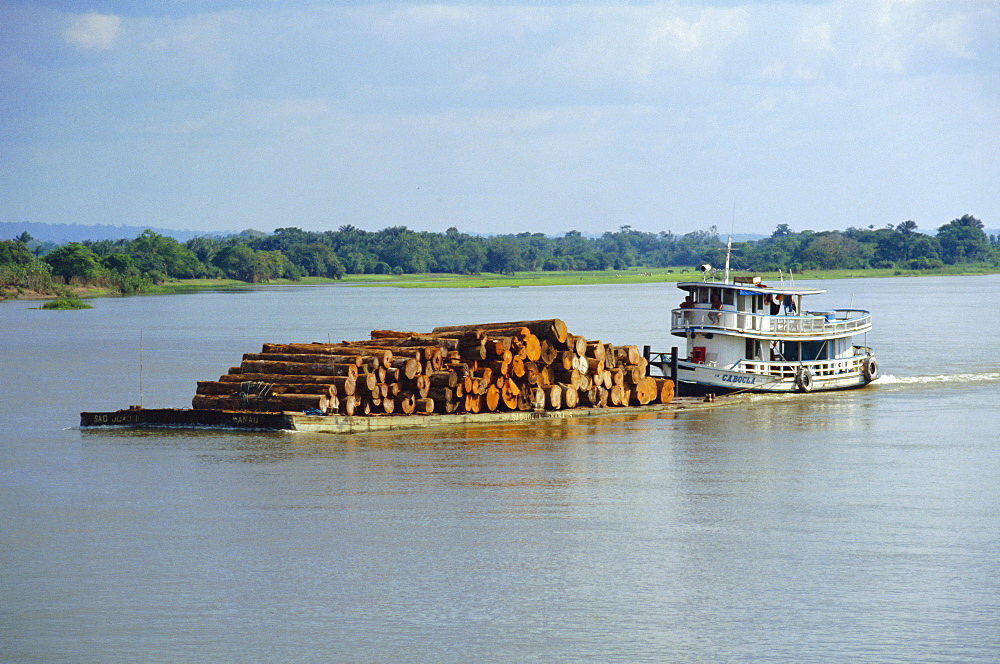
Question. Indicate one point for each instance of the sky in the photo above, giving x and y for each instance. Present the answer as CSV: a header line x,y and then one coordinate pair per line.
x,y
493,117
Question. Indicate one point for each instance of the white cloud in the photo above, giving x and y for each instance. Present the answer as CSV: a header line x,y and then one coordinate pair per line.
x,y
93,31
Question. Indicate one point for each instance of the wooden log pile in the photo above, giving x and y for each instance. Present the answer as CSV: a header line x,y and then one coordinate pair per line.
x,y
522,365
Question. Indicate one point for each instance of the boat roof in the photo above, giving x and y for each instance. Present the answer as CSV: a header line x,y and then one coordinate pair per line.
x,y
751,288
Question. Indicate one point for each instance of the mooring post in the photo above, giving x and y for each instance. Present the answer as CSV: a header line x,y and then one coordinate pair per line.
x,y
673,370
646,354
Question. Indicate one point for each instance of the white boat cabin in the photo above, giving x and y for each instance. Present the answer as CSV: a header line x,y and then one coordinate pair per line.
x,y
757,329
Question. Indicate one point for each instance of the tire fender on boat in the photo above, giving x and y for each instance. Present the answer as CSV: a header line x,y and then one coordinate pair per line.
x,y
803,379
869,369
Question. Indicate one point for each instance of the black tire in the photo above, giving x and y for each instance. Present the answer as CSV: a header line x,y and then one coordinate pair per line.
x,y
870,369
803,379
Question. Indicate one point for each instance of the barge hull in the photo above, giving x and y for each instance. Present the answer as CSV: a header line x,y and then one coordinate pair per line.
x,y
189,418
339,424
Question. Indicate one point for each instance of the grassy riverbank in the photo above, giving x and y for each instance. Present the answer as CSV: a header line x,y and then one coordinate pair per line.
x,y
567,278
491,280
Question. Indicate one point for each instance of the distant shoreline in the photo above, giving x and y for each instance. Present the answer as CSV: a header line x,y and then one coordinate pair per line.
x,y
518,280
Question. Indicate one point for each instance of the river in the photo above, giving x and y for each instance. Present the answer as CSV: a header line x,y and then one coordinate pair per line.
x,y
856,526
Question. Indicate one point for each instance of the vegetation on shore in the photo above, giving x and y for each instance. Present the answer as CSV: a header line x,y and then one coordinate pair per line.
x,y
153,263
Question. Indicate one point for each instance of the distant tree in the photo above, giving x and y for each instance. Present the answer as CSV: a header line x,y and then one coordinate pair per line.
x,y
964,241
122,264
503,255
317,260
15,252
238,261
74,261
157,253
830,252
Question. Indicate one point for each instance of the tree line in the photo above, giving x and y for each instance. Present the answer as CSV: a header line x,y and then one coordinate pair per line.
x,y
132,265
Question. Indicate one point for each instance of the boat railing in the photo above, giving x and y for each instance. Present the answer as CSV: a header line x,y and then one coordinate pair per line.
x,y
784,368
811,323
818,368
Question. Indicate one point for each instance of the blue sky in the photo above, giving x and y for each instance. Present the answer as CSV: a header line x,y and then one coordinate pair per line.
x,y
494,118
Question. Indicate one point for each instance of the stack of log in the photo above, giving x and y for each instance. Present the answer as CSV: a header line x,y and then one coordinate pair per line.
x,y
523,365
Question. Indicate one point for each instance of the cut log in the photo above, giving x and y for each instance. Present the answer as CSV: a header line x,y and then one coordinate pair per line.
x,y
406,403
424,406
308,349
553,397
444,379
609,356
384,355
595,350
577,344
492,398
665,390
412,341
349,405
628,354
634,374
441,394
509,395
532,348
536,396
273,403
367,382
311,358
299,368
645,391
250,387
570,396
549,352
544,329
340,381
574,378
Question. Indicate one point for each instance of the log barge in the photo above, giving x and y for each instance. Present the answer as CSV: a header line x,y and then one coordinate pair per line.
x,y
488,372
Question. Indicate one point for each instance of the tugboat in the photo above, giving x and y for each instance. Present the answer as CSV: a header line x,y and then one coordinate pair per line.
x,y
746,336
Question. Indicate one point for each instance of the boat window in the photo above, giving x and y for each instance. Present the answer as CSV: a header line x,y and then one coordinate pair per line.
x,y
814,350
728,296
790,351
703,294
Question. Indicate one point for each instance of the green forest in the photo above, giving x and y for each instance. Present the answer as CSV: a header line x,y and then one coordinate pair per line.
x,y
133,265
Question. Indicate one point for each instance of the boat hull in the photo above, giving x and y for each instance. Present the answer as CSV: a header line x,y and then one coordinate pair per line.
x,y
703,379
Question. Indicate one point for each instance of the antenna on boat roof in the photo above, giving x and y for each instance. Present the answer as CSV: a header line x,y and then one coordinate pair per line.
x,y
729,250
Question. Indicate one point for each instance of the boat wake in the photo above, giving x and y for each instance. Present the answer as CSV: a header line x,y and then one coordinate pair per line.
x,y
984,377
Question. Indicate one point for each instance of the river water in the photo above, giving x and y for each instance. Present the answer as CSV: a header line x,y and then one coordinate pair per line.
x,y
856,526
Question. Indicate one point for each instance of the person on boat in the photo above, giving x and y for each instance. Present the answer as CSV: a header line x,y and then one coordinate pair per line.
x,y
713,315
688,303
789,305
775,302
